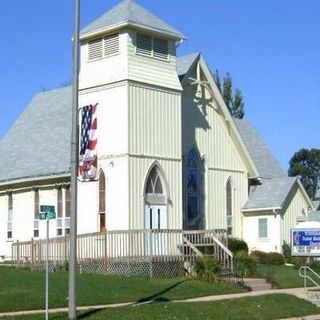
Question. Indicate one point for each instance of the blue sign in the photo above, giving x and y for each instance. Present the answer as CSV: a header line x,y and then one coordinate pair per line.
x,y
305,242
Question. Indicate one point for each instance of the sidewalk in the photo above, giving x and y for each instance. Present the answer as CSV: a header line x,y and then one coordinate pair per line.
x,y
298,292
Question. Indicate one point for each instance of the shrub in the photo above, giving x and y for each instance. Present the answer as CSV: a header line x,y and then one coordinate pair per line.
x,y
243,264
298,261
236,245
286,250
259,256
275,258
207,269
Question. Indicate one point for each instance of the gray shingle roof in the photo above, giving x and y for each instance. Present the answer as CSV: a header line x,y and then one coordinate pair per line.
x,y
272,193
38,144
131,13
275,184
184,63
267,165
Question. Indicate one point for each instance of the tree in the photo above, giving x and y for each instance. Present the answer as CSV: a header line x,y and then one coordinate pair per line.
x,y
233,101
305,164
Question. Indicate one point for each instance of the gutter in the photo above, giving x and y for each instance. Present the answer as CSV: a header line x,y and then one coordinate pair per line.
x,y
35,178
262,209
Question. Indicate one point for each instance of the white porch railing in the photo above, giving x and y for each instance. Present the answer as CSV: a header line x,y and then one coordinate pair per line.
x,y
113,247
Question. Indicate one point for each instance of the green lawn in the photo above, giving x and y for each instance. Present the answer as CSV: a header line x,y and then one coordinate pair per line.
x,y
276,306
23,289
287,277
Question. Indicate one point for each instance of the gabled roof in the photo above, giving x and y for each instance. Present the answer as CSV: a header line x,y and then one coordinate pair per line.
x,y
184,63
128,12
38,144
267,165
271,194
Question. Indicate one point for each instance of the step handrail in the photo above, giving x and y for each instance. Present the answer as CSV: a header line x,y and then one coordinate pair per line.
x,y
304,275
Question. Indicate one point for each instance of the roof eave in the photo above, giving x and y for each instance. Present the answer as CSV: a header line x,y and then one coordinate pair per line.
x,y
123,24
59,175
262,209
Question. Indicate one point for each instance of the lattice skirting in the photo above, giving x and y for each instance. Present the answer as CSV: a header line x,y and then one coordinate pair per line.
x,y
146,267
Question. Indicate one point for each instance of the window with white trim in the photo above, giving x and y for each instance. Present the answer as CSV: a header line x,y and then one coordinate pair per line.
x,y
67,211
263,228
36,228
10,216
229,208
67,225
59,226
103,47
152,47
36,214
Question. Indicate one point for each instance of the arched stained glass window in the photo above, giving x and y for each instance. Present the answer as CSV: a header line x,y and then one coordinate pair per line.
x,y
229,207
194,194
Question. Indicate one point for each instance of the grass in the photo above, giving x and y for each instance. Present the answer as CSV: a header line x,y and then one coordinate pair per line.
x,y
287,277
22,289
267,307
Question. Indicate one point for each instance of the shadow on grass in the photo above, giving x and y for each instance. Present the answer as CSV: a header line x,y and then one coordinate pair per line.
x,y
85,314
158,296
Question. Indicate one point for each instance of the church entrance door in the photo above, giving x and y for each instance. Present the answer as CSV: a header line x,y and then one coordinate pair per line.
x,y
155,220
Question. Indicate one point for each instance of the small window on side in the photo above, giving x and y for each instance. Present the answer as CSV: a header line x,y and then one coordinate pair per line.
x,y
263,228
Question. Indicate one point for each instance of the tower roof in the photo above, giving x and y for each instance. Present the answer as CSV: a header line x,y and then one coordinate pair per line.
x,y
126,13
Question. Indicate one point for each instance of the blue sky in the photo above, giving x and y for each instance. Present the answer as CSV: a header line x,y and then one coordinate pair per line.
x,y
270,47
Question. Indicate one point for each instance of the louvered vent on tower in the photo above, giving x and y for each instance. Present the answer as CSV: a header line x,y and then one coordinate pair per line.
x,y
160,48
144,44
100,48
95,49
111,44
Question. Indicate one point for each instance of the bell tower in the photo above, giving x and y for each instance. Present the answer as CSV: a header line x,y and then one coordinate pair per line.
x,y
128,68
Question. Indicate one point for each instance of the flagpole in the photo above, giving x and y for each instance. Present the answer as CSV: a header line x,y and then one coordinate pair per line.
x,y
74,168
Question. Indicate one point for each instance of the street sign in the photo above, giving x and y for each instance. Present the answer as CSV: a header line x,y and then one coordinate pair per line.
x,y
305,242
47,212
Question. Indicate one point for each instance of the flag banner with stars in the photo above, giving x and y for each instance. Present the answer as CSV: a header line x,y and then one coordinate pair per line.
x,y
88,142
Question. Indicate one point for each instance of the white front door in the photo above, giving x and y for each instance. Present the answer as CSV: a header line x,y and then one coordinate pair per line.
x,y
156,219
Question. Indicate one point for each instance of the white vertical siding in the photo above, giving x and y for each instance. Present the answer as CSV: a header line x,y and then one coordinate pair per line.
x,y
155,135
216,199
139,168
112,117
206,129
151,70
155,122
110,69
296,204
5,246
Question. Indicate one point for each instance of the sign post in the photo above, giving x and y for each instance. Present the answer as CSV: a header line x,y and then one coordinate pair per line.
x,y
47,213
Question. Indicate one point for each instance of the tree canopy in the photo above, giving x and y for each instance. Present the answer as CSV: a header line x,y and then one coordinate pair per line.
x,y
233,100
305,164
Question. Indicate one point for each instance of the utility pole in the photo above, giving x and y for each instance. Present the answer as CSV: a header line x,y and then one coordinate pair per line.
x,y
74,168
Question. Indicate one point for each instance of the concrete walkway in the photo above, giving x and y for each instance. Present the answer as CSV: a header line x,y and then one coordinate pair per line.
x,y
298,292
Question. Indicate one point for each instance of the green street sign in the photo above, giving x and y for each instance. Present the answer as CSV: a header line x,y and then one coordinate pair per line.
x,y
47,211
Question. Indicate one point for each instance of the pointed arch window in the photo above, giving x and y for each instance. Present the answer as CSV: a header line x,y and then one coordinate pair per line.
x,y
102,200
154,185
194,217
229,208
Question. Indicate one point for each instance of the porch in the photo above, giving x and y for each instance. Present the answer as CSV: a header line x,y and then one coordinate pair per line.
x,y
153,253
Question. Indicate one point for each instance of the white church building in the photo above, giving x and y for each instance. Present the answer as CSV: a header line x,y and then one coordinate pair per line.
x,y
169,155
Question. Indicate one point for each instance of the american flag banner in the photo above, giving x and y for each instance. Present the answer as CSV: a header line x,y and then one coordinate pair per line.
x,y
88,143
